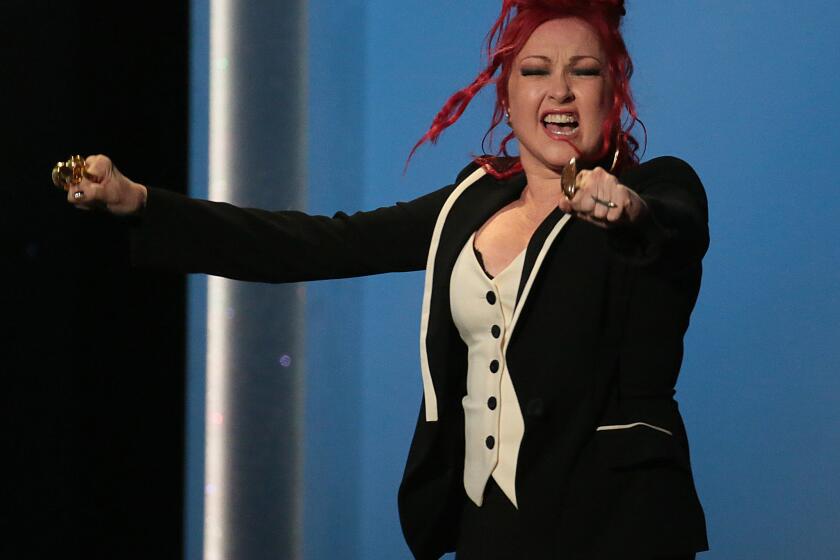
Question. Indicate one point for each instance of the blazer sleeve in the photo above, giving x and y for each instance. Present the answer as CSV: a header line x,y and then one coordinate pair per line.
x,y
187,235
675,231
661,294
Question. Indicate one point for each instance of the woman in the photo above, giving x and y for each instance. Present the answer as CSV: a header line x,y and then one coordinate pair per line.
x,y
553,313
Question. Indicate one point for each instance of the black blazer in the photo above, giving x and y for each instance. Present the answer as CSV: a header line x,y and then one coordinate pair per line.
x,y
594,354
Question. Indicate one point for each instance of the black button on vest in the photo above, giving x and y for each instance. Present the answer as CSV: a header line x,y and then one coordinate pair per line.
x,y
495,331
494,366
491,298
491,403
490,442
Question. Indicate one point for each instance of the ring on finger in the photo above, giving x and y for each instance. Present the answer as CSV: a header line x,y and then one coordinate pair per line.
x,y
602,202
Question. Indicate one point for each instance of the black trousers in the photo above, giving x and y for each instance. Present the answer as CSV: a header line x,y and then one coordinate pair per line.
x,y
495,531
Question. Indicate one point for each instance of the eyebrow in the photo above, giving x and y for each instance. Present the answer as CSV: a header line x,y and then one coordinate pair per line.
x,y
543,58
580,57
574,59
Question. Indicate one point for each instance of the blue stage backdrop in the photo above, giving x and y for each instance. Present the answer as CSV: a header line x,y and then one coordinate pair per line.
x,y
743,90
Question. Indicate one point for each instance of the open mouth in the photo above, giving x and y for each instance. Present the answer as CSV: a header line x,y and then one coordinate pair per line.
x,y
560,124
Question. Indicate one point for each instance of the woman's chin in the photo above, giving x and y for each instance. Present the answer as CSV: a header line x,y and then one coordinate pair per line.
x,y
551,165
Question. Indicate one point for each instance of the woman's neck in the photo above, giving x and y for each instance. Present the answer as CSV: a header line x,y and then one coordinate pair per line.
x,y
541,194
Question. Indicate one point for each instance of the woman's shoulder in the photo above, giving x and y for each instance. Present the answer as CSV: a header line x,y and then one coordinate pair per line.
x,y
666,167
496,167
468,170
661,171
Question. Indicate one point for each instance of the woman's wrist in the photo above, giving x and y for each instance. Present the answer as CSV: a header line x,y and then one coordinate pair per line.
x,y
133,202
637,209
143,194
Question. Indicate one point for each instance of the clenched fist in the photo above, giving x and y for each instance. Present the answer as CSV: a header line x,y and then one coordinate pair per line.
x,y
602,200
103,186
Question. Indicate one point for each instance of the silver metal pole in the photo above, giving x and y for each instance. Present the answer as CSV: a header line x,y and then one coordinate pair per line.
x,y
253,497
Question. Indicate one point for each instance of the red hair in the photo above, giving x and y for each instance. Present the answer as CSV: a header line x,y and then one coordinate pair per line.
x,y
517,21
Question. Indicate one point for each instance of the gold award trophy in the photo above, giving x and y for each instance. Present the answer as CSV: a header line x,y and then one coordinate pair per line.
x,y
568,178
70,172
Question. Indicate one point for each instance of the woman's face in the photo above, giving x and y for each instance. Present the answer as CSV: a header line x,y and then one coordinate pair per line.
x,y
558,94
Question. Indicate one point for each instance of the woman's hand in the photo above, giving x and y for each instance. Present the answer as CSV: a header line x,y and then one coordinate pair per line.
x,y
602,200
103,186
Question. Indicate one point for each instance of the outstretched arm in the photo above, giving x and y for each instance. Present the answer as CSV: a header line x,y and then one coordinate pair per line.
x,y
175,232
655,212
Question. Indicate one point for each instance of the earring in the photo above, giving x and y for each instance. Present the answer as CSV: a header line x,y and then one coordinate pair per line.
x,y
507,116
615,159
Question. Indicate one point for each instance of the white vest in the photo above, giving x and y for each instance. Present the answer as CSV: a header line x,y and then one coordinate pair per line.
x,y
482,310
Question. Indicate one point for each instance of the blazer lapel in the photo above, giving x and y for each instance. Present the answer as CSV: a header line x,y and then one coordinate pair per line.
x,y
469,213
538,247
465,210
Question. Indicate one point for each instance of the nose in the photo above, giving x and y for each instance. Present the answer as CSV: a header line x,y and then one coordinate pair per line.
x,y
561,90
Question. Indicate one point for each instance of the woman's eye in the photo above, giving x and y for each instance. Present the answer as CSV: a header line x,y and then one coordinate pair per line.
x,y
534,72
586,71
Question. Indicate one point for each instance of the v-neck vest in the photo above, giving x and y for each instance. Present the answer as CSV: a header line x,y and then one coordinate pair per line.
x,y
482,310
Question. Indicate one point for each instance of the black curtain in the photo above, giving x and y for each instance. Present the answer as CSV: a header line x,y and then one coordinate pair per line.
x,y
92,351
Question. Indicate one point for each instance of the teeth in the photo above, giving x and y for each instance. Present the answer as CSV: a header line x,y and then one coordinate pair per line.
x,y
559,118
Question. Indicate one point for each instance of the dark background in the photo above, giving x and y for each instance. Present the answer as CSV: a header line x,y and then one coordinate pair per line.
x,y
92,351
